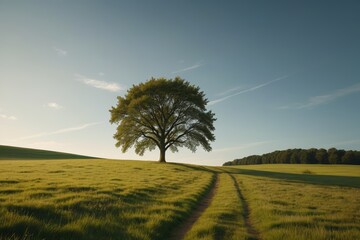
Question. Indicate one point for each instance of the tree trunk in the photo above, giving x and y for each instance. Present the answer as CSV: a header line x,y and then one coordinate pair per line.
x,y
162,155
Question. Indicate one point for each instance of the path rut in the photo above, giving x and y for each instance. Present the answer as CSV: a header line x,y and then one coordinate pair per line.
x,y
181,231
254,234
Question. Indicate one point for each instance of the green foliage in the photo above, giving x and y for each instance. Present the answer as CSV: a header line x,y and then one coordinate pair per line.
x,y
304,156
321,156
163,113
8,152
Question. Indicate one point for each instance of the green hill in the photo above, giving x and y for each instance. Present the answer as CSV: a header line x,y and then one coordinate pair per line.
x,y
8,152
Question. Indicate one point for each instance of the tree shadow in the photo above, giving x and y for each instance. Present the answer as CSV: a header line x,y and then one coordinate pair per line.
x,y
312,225
348,181
196,167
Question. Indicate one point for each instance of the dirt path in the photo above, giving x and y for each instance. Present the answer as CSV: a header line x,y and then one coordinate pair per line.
x,y
255,235
180,232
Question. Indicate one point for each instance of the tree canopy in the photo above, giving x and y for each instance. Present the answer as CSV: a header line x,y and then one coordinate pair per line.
x,y
163,113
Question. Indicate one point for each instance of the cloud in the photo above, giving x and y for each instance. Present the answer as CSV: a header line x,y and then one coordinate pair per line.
x,y
188,68
54,105
235,89
60,131
101,74
111,87
325,99
60,52
213,102
7,117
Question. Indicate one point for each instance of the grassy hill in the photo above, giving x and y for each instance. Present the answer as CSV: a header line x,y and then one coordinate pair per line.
x,y
8,152
97,199
108,199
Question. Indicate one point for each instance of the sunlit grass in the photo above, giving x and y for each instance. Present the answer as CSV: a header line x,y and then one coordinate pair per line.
x,y
108,199
288,209
95,199
336,175
321,169
223,219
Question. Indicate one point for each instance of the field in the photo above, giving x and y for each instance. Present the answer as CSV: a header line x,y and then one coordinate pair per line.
x,y
95,199
303,201
110,199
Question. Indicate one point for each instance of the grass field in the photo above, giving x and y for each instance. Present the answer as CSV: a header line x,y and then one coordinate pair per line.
x,y
95,199
299,202
223,219
109,199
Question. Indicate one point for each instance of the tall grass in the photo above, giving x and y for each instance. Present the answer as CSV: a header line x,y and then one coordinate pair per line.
x,y
223,219
108,199
96,199
300,208
320,169
335,175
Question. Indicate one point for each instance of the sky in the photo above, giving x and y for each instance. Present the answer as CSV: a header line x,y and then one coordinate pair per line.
x,y
277,74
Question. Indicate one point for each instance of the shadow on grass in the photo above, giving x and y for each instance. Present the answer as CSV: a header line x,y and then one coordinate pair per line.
x,y
195,167
312,225
34,230
301,178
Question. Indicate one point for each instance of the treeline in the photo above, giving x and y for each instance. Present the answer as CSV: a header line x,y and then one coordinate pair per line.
x,y
303,156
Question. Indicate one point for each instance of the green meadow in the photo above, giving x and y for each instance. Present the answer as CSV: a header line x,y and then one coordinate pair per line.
x,y
95,199
302,201
112,199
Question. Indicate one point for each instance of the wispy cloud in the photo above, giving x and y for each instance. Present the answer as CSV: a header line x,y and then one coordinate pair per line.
x,y
246,90
7,117
235,89
54,105
60,52
188,68
60,131
325,99
242,146
112,87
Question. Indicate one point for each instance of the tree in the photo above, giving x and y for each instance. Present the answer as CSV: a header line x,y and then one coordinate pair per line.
x,y
321,156
348,158
311,155
163,113
303,156
333,156
295,156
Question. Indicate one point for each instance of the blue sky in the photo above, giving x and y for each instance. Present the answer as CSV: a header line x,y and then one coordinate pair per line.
x,y
278,74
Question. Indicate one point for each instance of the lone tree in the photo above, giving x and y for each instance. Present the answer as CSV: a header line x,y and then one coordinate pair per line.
x,y
163,113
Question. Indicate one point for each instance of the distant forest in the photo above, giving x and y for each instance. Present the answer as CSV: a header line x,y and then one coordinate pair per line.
x,y
302,156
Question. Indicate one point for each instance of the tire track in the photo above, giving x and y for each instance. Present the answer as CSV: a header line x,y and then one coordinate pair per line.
x,y
254,234
181,231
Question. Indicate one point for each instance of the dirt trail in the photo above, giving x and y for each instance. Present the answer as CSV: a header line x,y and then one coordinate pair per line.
x,y
180,232
255,235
